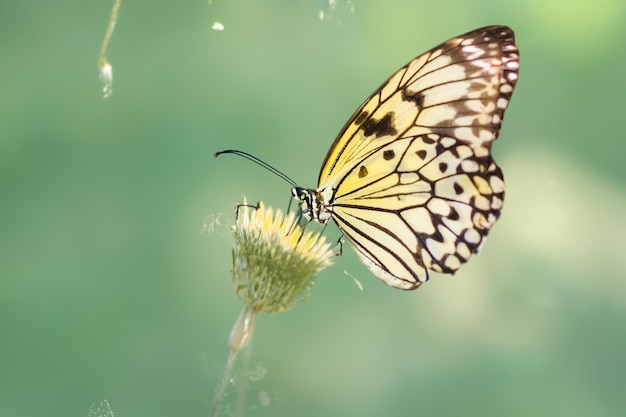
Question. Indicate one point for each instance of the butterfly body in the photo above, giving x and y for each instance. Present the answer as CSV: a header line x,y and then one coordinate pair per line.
x,y
410,180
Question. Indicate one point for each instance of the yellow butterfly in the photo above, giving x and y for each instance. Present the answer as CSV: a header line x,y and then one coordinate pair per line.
x,y
410,180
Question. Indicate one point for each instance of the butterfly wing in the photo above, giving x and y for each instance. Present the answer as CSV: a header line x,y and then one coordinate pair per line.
x,y
410,179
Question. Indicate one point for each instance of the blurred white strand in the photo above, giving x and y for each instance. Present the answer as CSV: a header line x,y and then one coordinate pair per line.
x,y
106,70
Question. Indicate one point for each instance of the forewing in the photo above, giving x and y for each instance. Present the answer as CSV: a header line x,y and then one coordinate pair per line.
x,y
458,89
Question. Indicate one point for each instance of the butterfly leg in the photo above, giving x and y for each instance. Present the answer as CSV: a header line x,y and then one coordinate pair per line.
x,y
339,241
240,205
340,244
289,205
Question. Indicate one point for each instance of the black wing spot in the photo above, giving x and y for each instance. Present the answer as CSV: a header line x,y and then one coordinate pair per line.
x,y
443,167
421,154
361,117
454,215
437,236
417,98
382,127
458,189
362,171
388,155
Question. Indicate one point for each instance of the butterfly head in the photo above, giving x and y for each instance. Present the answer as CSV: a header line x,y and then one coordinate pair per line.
x,y
311,204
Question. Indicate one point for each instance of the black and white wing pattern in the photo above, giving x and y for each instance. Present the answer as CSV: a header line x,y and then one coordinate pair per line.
x,y
410,179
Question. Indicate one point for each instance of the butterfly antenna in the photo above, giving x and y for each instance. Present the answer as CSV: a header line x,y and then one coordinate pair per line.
x,y
259,162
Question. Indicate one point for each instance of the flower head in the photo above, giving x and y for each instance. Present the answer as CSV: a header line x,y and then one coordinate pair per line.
x,y
274,259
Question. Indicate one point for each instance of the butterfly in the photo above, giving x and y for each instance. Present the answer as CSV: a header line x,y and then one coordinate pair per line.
x,y
410,180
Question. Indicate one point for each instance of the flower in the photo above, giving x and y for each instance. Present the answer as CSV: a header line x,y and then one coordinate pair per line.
x,y
275,260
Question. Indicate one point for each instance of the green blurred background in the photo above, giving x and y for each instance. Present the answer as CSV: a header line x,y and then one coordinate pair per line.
x,y
114,249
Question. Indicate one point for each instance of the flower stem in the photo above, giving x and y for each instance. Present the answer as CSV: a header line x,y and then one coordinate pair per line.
x,y
239,338
242,331
219,394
